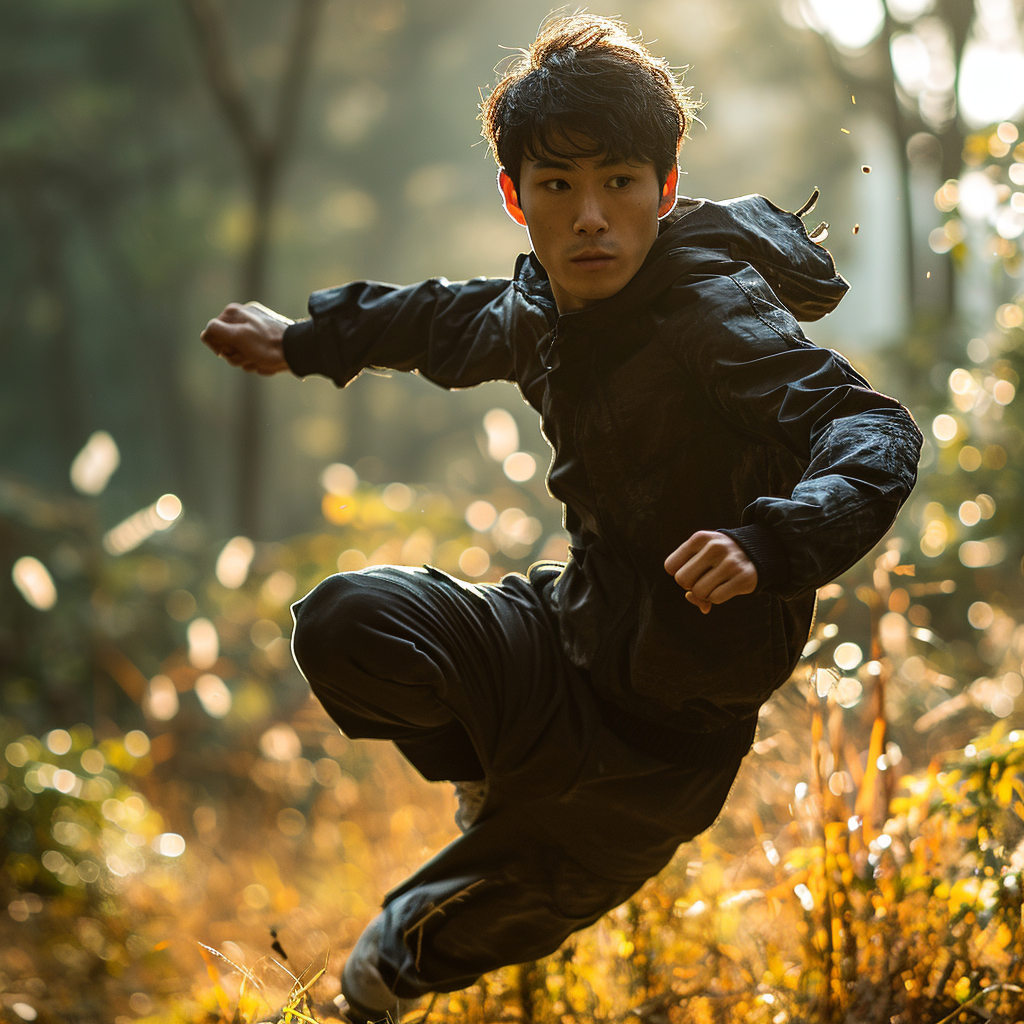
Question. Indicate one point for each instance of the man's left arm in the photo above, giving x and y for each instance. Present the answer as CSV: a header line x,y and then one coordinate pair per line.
x,y
860,447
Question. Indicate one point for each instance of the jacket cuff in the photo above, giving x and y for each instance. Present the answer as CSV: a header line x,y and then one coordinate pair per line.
x,y
766,551
299,347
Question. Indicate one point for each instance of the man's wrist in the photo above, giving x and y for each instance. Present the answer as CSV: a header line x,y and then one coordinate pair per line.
x,y
297,346
767,553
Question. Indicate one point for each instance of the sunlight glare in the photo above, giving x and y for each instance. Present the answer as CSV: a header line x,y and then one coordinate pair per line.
x,y
991,86
977,195
852,24
908,10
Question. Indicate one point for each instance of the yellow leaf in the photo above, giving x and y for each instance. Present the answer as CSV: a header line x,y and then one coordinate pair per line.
x,y
962,989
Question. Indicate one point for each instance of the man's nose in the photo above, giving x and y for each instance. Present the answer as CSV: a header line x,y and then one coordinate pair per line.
x,y
590,218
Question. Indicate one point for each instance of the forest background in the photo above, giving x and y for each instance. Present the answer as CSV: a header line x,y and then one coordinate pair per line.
x,y
183,833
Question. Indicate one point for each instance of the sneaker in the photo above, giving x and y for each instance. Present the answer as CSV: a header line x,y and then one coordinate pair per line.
x,y
471,797
366,999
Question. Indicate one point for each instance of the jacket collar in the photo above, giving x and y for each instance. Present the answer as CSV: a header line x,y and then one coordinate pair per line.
x,y
750,229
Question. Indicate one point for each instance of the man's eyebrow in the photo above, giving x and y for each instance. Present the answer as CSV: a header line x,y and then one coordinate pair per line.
x,y
549,163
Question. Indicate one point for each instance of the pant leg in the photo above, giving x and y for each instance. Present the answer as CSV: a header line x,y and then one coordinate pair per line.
x,y
575,820
529,875
439,666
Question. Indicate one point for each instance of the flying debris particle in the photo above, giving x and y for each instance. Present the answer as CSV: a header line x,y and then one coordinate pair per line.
x,y
854,98
929,274
856,229
845,131
866,168
276,945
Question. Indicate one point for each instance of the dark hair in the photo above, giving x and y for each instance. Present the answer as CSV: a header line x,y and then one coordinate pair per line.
x,y
584,78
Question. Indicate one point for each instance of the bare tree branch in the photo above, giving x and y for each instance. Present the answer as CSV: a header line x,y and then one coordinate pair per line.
x,y
211,35
292,81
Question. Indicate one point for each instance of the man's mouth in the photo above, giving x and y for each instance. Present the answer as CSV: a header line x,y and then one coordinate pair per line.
x,y
593,259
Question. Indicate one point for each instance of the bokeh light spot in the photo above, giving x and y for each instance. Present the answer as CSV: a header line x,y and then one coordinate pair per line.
x,y
233,562
136,743
848,656
945,428
520,467
969,458
481,515
94,465
58,741
980,615
162,698
474,561
339,479
34,583
214,696
969,513
203,643
502,434
169,844
280,743
397,497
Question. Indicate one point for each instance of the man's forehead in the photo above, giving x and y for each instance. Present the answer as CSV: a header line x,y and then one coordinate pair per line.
x,y
569,160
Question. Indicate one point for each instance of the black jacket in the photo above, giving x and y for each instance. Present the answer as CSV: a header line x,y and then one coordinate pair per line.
x,y
690,400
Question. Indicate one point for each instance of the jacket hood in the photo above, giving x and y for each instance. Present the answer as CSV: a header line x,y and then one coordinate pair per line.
x,y
750,229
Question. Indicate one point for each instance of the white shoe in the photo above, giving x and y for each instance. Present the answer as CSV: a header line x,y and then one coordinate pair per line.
x,y
365,996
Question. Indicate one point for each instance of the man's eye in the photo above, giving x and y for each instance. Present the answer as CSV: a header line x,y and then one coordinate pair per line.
x,y
620,181
556,184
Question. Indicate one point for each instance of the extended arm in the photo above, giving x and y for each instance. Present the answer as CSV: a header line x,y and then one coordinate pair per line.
x,y
454,334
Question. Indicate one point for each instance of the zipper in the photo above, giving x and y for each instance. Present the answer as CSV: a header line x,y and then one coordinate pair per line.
x,y
547,354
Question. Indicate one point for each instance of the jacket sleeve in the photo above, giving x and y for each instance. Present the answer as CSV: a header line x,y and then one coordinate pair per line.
x,y
455,335
860,448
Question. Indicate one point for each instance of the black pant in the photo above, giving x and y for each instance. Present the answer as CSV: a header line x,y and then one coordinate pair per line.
x,y
470,682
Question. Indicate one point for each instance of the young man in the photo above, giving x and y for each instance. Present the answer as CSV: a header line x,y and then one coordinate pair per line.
x,y
715,468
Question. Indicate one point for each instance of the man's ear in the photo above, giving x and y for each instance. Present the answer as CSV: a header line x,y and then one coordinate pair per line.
x,y
509,199
668,194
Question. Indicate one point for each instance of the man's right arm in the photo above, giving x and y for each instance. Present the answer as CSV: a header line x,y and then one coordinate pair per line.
x,y
454,334
249,336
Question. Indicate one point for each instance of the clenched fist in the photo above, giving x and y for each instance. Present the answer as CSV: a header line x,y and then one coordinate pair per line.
x,y
249,336
712,568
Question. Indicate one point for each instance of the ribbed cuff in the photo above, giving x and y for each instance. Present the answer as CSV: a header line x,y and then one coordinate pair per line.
x,y
767,553
298,347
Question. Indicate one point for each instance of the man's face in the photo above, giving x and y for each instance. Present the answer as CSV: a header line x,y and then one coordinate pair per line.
x,y
592,221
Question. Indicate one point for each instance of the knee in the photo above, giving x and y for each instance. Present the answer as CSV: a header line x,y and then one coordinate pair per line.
x,y
327,621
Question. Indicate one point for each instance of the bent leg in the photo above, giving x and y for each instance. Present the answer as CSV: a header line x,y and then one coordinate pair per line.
x,y
362,640
458,675
525,878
